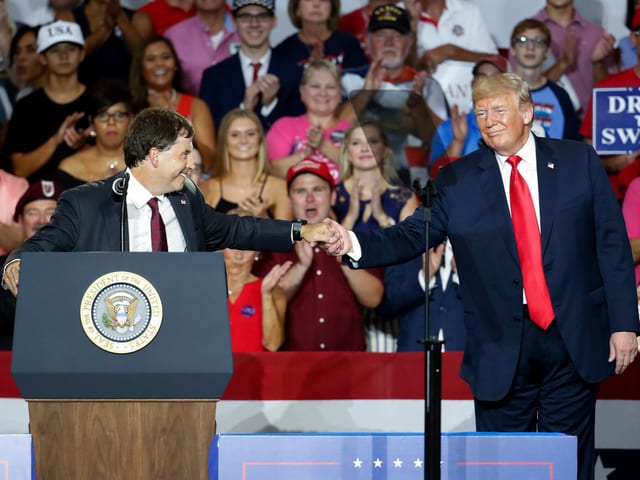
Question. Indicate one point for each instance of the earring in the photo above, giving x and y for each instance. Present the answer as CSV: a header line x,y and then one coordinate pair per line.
x,y
92,134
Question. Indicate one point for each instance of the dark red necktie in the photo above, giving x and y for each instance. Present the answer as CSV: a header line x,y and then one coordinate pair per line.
x,y
256,68
158,232
525,228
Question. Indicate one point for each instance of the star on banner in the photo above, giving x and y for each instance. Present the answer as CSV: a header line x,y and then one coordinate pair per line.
x,y
377,463
357,463
397,463
417,463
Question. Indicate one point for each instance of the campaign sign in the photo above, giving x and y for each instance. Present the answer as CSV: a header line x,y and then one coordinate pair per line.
x,y
469,456
16,457
616,120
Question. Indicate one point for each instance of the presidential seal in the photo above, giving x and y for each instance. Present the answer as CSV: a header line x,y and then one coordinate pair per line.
x,y
121,312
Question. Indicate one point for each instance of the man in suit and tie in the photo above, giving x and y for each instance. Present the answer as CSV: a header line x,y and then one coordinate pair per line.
x,y
255,78
546,275
153,206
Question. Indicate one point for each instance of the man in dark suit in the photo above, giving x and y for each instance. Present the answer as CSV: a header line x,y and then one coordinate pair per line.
x,y
256,77
163,210
578,284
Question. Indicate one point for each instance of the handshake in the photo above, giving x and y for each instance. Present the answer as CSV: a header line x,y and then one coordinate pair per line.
x,y
329,235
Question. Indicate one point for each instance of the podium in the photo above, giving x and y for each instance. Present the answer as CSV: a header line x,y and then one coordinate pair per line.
x,y
121,358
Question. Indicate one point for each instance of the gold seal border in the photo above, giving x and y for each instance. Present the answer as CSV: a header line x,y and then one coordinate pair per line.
x,y
86,313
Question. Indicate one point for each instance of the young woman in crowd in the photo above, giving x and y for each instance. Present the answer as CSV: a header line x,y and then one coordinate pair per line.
x,y
240,175
110,112
156,81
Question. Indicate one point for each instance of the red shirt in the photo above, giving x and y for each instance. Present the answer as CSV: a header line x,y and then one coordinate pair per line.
x,y
621,180
245,319
164,15
324,313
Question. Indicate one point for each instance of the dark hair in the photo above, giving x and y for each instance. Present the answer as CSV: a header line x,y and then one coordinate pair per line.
x,y
106,92
332,21
153,127
21,32
137,82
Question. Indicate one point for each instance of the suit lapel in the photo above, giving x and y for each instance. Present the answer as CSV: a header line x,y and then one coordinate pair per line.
x,y
181,206
491,184
547,166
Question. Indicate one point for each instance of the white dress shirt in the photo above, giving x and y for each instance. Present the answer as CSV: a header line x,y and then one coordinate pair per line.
x,y
139,219
247,73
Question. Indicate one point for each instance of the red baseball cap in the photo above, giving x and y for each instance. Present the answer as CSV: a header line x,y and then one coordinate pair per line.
x,y
307,165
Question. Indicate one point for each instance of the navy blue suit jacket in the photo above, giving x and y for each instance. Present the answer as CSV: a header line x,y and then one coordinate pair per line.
x,y
223,87
87,218
586,258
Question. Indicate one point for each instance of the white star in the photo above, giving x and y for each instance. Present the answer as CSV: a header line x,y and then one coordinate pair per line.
x,y
601,473
377,463
417,463
357,463
397,463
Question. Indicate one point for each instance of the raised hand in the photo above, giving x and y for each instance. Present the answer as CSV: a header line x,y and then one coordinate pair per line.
x,y
257,206
269,86
272,278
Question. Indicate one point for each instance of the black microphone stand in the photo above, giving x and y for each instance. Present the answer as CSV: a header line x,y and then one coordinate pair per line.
x,y
432,358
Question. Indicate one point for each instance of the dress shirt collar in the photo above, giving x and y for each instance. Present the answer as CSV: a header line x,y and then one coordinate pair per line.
x,y
246,62
527,153
137,194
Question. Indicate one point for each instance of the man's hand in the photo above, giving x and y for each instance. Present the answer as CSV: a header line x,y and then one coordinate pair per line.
x,y
623,348
12,276
269,86
603,48
339,242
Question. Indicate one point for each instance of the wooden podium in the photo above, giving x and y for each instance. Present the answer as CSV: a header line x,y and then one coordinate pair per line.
x,y
144,415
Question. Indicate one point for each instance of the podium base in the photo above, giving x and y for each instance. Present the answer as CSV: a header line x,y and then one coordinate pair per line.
x,y
118,439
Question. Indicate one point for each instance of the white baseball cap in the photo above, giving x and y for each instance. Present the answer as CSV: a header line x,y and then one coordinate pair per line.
x,y
58,32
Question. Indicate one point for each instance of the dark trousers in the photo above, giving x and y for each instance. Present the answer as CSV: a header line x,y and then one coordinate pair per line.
x,y
547,395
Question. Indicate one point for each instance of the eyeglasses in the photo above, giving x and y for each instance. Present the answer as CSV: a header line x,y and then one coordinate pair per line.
x,y
120,116
636,32
536,42
246,18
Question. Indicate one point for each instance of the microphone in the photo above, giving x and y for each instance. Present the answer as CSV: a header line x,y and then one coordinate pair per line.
x,y
119,187
425,193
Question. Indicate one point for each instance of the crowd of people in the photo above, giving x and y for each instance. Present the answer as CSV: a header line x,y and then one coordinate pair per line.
x,y
339,120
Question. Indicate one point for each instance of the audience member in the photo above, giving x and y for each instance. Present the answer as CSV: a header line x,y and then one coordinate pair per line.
x,y
404,297
256,77
26,69
368,198
241,178
109,113
110,39
409,104
317,37
357,21
582,50
32,211
622,169
631,214
197,173
156,81
48,125
50,11
155,17
203,40
257,305
11,189
460,135
452,36
318,133
552,108
324,296
628,51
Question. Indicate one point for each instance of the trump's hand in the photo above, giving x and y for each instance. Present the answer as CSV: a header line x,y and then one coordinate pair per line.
x,y
623,348
11,277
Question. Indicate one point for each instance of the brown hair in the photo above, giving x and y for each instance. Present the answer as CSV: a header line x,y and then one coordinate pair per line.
x,y
530,24
332,21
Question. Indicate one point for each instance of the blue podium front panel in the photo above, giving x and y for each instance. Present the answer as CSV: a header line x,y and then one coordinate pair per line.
x,y
391,457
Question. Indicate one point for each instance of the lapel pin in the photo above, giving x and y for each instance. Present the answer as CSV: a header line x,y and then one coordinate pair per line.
x,y
183,202
551,165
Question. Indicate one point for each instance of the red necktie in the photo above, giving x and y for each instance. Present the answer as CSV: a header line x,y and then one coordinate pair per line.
x,y
256,68
158,232
525,228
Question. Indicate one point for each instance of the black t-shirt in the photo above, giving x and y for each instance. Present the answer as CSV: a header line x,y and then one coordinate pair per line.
x,y
35,119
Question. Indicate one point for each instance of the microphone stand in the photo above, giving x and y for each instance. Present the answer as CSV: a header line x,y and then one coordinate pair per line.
x,y
433,357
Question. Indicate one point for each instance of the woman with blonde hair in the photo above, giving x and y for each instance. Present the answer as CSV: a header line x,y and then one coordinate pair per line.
x,y
318,133
240,177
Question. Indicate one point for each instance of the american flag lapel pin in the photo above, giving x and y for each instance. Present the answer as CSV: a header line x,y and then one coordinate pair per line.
x,y
551,165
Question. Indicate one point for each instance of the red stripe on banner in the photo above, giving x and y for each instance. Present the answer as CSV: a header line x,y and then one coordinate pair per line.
x,y
347,375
